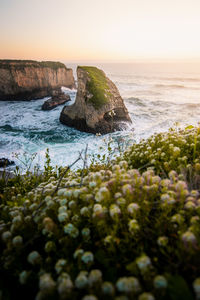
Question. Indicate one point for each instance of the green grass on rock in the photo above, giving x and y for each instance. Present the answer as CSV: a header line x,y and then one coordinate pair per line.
x,y
97,86
21,64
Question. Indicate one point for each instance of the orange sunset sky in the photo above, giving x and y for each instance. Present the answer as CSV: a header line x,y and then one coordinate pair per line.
x,y
107,30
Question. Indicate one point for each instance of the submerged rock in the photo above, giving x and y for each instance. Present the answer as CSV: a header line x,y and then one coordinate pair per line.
x,y
56,100
99,107
28,79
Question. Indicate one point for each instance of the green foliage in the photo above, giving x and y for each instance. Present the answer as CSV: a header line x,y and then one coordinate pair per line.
x,y
48,169
13,190
105,155
52,65
178,289
177,150
97,86
21,64
113,229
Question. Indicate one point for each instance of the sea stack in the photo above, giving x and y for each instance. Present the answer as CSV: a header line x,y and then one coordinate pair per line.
x,y
99,107
27,79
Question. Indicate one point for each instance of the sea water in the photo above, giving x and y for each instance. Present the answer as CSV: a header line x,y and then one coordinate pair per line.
x,y
157,96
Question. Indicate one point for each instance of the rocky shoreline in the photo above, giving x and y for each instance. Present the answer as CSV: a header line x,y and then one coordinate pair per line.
x,y
98,107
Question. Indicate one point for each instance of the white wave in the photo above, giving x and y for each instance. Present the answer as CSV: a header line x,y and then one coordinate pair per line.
x,y
25,127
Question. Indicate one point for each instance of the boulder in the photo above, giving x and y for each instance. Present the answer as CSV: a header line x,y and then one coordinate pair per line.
x,y
28,80
56,100
5,162
99,107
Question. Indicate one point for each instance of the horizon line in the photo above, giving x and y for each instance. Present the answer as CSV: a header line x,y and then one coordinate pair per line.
x,y
128,61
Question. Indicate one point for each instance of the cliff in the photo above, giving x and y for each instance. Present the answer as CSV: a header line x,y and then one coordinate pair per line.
x,y
26,79
99,107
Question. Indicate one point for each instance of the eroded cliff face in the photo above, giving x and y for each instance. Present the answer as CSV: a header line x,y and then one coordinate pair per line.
x,y
99,107
26,80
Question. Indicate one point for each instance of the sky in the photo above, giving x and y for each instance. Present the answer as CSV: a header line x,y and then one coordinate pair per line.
x,y
100,30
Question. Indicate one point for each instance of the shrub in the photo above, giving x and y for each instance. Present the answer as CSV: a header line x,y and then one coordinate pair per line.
x,y
123,232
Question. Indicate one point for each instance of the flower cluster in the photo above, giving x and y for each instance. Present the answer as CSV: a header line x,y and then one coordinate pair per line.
x,y
119,232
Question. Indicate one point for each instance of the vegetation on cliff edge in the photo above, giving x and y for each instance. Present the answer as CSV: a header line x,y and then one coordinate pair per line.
x,y
21,64
125,229
97,86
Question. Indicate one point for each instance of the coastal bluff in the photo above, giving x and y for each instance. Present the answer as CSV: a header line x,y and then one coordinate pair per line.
x,y
98,107
28,79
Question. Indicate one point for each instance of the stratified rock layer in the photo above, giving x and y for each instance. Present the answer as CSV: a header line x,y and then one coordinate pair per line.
x,y
99,107
27,80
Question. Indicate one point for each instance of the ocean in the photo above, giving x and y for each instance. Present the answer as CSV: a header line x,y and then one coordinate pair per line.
x,y
157,95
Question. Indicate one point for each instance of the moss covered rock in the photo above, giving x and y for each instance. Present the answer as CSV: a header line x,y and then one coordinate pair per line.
x,y
99,107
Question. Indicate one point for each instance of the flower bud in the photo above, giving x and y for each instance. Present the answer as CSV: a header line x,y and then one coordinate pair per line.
x,y
23,277
196,287
114,211
128,285
60,265
103,194
95,277
160,282
108,289
146,296
143,263
6,236
189,239
133,208
81,281
63,217
47,284
71,230
133,226
78,253
34,258
17,241
50,247
87,257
